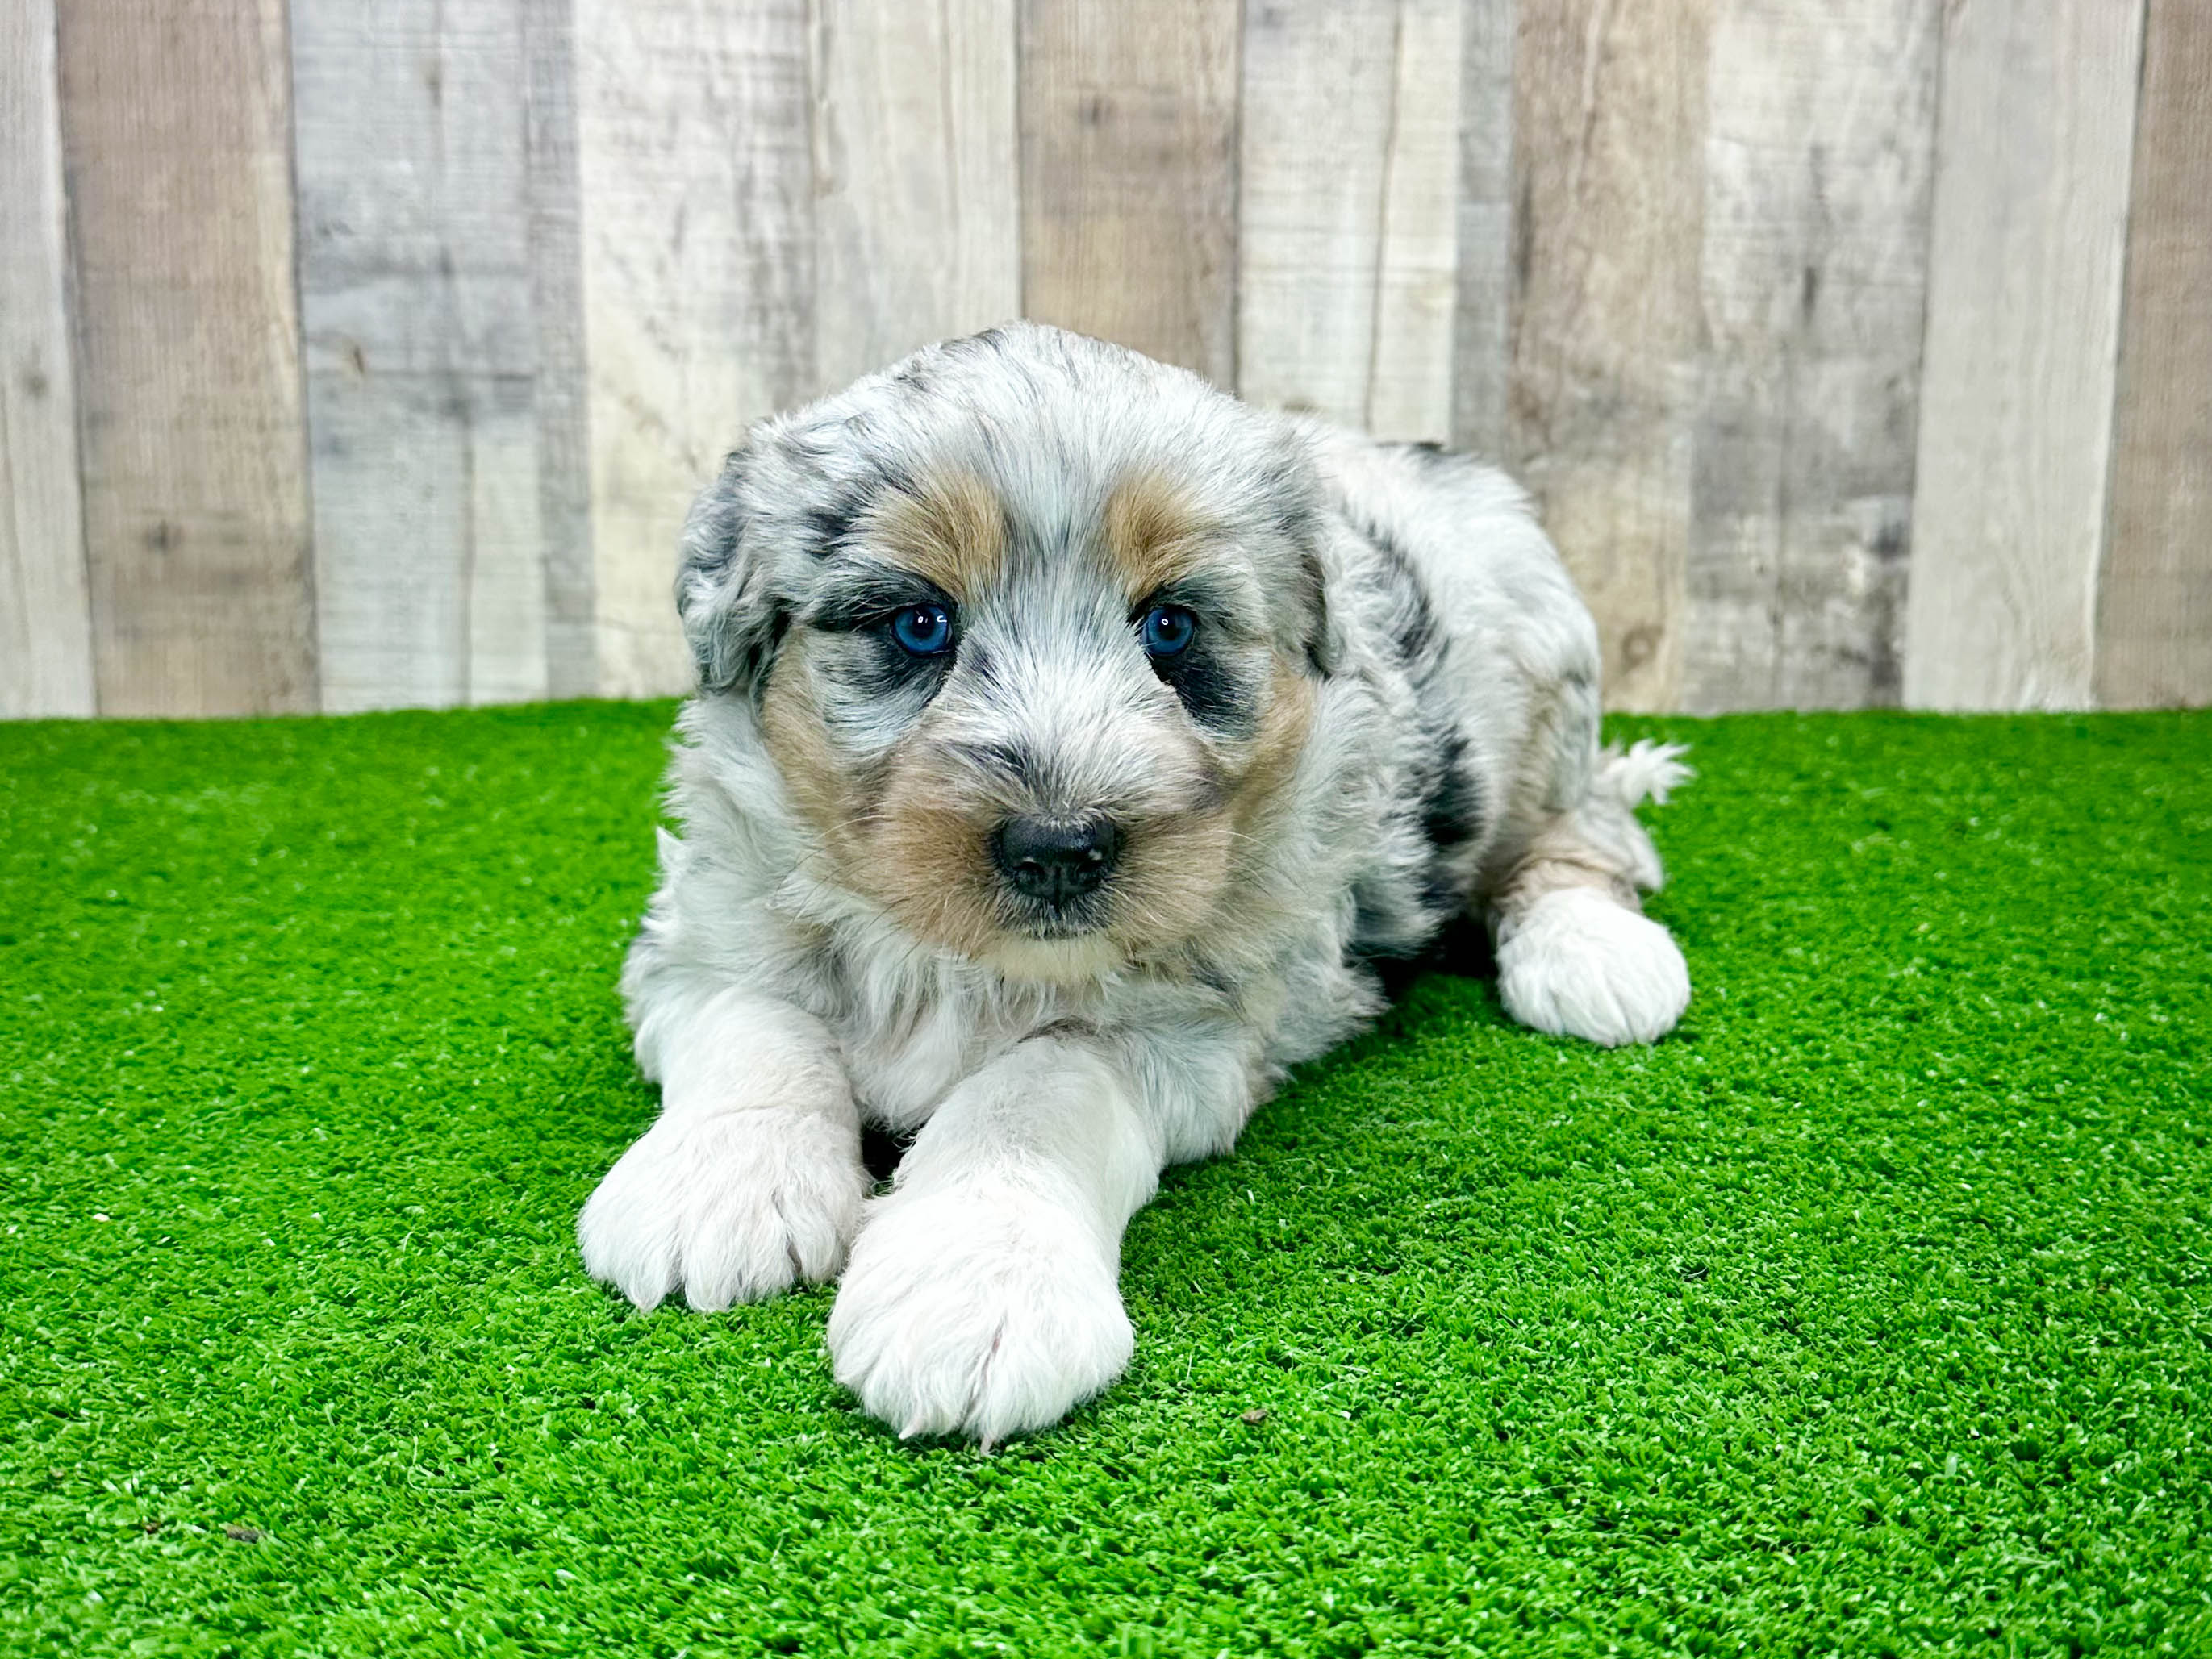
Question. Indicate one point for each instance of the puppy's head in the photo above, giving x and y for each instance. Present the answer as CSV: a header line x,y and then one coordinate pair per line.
x,y
1033,626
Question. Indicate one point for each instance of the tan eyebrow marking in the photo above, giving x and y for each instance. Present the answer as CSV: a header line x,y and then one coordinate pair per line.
x,y
1153,534
949,528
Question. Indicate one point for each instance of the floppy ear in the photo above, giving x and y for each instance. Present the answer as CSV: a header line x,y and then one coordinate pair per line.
x,y
731,618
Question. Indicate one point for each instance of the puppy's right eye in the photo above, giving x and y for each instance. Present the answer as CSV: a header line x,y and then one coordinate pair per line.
x,y
924,630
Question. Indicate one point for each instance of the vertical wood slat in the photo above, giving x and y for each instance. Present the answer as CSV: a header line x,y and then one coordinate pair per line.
x,y
698,267
2153,640
917,197
176,124
46,620
564,451
1818,164
2032,159
1410,390
1346,210
1128,155
1484,259
1609,124
415,297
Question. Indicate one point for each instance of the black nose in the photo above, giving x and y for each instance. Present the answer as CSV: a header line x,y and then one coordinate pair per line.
x,y
1054,859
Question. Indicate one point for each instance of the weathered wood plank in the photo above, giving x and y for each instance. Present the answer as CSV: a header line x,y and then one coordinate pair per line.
x,y
698,263
1484,262
45,618
1128,116
416,296
1410,388
560,390
2154,594
2032,156
1819,161
1347,206
916,179
176,126
1609,166
1318,80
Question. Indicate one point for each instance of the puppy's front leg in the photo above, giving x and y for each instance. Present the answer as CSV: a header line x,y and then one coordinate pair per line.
x,y
751,1178
983,1295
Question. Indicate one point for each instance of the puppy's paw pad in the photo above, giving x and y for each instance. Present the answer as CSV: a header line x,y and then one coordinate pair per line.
x,y
732,1208
1576,963
983,1314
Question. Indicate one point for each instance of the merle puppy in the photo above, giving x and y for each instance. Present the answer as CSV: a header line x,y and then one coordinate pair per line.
x,y
1070,741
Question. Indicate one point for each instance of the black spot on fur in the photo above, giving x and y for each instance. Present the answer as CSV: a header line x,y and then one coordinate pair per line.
x,y
832,525
989,343
1426,451
1451,816
1461,947
1443,803
1209,691
1412,622
1203,676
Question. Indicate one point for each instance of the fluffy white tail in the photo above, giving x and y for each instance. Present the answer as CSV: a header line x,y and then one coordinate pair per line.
x,y
1645,771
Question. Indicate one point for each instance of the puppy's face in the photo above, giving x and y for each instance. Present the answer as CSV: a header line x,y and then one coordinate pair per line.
x,y
1041,644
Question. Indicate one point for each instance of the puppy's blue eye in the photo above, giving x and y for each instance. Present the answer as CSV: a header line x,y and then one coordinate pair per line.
x,y
924,629
1168,629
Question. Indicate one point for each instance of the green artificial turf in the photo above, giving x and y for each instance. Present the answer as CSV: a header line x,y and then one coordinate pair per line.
x,y
1873,1310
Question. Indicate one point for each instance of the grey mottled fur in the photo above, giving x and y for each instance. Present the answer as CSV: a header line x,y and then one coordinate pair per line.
x,y
1452,761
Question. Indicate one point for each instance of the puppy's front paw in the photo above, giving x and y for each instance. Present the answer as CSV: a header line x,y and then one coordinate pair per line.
x,y
733,1207
980,1312
1576,963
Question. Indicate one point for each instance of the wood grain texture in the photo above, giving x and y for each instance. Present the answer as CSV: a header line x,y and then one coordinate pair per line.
x,y
2155,595
1128,117
2033,158
176,124
1319,78
1483,299
1818,168
560,389
1409,393
45,617
1346,210
415,297
698,276
1609,104
917,198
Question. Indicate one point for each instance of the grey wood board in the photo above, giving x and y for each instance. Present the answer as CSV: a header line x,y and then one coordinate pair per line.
x,y
1128,167
2033,148
2153,646
46,614
177,135
1818,160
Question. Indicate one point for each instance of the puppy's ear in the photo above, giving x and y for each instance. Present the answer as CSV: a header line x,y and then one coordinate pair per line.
x,y
733,618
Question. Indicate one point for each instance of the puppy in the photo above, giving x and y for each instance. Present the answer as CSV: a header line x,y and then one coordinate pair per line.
x,y
1072,740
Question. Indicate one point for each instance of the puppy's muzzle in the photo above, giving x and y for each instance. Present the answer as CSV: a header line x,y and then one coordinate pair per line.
x,y
1054,862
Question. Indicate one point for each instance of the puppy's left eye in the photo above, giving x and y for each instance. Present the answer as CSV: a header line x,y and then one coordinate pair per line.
x,y
1168,629
924,629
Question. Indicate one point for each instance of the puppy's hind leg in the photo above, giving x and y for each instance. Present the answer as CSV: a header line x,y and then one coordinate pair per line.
x,y
1576,956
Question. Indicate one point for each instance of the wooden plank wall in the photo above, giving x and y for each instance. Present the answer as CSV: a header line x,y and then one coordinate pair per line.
x,y
176,119
2030,236
45,614
1858,352
2153,639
